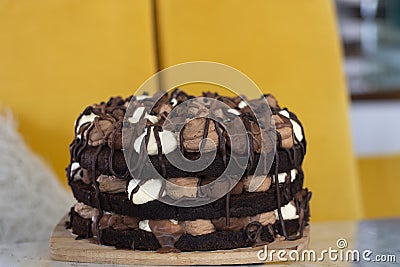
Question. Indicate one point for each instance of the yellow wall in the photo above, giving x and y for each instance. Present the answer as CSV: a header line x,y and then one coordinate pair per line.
x,y
58,56
289,48
380,181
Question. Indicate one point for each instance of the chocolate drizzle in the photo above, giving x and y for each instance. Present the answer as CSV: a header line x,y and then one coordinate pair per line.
x,y
142,156
221,143
250,144
287,195
181,141
134,191
166,234
81,143
278,193
227,209
205,134
87,111
117,128
287,186
97,196
253,231
159,149
79,148
301,200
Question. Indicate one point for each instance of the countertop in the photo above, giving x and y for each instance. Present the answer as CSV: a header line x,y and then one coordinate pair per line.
x,y
372,238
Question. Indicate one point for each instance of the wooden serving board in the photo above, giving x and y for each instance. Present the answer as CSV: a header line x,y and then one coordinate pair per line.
x,y
64,247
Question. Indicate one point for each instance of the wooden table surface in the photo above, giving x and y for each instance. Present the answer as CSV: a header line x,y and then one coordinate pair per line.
x,y
381,237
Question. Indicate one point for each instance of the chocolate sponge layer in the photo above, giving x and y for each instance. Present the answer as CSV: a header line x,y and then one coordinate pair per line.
x,y
245,204
143,240
288,160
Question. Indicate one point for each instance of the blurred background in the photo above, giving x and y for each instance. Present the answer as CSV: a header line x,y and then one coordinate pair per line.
x,y
336,64
370,33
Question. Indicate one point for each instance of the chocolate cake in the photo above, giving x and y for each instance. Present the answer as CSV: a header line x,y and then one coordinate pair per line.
x,y
121,204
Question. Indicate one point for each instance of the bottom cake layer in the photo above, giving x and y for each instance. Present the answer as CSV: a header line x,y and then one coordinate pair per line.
x,y
139,239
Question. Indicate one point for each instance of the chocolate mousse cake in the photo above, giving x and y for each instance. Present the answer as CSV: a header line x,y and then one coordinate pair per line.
x,y
120,204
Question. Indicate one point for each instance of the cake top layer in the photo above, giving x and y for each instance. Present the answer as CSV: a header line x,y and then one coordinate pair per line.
x,y
152,123
98,121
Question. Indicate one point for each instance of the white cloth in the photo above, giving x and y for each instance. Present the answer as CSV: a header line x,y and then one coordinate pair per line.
x,y
31,198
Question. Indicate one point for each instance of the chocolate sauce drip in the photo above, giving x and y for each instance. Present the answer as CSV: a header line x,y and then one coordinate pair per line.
x,y
301,201
80,144
250,145
221,143
95,125
142,155
159,150
126,187
295,162
205,134
278,196
71,174
181,140
87,111
134,191
264,153
227,209
287,186
250,149
81,148
97,196
76,144
117,128
278,193
253,231
303,150
76,148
